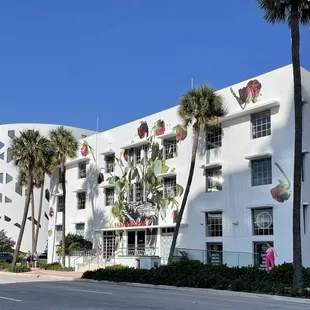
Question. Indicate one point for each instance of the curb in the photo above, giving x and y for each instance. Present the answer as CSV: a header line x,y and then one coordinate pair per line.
x,y
212,291
31,275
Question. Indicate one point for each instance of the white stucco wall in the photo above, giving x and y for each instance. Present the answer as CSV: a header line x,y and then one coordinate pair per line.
x,y
238,196
12,212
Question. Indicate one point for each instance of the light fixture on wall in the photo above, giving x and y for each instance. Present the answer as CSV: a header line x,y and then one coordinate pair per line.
x,y
235,223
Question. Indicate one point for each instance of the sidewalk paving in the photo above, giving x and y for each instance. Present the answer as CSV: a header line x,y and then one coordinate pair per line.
x,y
53,273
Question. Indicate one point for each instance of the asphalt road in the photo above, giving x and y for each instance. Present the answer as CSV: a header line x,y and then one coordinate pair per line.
x,y
38,293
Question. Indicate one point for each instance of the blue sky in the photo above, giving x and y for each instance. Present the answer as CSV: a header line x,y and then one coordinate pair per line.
x,y
69,61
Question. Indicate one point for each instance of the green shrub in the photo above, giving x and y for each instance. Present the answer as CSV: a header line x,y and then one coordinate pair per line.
x,y
15,269
56,267
195,274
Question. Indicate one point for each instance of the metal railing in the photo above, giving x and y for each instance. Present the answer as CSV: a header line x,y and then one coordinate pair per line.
x,y
231,259
138,251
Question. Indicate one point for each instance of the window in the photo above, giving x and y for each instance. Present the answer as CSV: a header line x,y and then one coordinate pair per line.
x,y
214,224
58,232
305,218
262,221
169,187
261,172
135,193
214,180
11,134
303,167
137,154
82,170
167,231
59,175
1,177
138,192
18,189
9,155
60,203
170,148
79,229
109,196
261,125
47,195
110,162
81,200
214,138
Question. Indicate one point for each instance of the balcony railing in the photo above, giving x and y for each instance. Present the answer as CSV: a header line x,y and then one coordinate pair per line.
x,y
231,259
138,252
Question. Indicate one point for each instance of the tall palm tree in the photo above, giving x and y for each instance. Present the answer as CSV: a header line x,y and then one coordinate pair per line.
x,y
294,13
29,150
64,146
202,108
39,181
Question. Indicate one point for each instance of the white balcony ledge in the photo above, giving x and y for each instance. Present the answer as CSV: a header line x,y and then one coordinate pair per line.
x,y
212,211
134,144
107,185
57,194
304,152
258,156
305,203
79,190
77,160
108,152
252,108
261,206
167,174
140,227
211,166
167,135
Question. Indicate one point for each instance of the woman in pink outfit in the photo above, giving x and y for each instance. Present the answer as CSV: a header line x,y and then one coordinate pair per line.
x,y
270,257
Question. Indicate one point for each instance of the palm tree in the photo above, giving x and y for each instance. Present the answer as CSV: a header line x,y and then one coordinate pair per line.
x,y
64,146
39,181
22,181
201,108
294,13
29,150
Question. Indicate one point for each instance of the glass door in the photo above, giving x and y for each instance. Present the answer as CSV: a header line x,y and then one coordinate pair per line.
x,y
136,242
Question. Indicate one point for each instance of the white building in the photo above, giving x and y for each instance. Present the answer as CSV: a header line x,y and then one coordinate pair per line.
x,y
12,196
231,212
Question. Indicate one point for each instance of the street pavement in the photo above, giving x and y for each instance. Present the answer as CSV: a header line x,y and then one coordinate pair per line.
x,y
36,292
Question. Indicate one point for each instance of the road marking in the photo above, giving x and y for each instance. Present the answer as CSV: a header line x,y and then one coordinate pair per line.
x,y
12,299
86,291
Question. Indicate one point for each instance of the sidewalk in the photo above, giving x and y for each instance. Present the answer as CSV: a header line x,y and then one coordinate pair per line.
x,y
47,274
53,273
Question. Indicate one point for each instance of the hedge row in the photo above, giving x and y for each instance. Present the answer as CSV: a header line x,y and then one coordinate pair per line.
x,y
56,267
221,277
15,269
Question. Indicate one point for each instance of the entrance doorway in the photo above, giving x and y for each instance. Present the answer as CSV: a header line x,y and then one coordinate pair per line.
x,y
136,242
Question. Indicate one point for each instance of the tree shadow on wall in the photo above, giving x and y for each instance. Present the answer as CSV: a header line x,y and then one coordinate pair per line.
x,y
99,220
91,186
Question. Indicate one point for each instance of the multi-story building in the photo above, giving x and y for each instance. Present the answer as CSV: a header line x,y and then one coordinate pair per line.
x,y
12,195
241,195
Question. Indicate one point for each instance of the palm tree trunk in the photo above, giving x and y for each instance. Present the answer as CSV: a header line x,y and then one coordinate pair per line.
x,y
63,183
23,224
297,253
39,215
32,223
186,193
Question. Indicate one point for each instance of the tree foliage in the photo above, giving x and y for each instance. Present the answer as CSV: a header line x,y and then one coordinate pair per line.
x,y
6,243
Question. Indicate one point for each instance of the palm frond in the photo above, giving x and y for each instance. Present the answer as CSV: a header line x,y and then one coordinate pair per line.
x,y
280,11
200,107
64,144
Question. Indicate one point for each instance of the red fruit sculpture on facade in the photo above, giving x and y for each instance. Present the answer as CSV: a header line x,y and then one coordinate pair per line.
x,y
143,130
160,127
248,94
51,212
84,149
282,191
181,133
